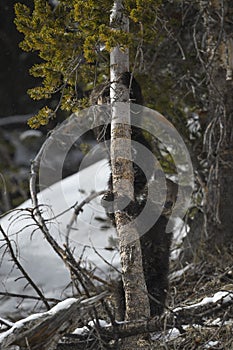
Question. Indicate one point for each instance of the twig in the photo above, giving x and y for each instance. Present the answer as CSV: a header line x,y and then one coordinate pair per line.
x,y
65,254
26,296
38,218
22,270
105,261
6,323
127,329
44,330
77,210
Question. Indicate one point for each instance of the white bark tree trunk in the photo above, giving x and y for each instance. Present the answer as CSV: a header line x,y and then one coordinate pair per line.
x,y
136,298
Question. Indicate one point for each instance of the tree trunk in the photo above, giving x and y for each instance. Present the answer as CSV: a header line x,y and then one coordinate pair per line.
x,y
217,17
137,302
136,298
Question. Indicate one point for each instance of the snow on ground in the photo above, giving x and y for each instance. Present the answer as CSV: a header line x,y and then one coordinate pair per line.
x,y
210,344
221,297
167,335
177,274
36,255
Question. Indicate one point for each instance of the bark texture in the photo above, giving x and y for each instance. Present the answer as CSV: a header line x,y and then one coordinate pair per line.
x,y
217,18
136,298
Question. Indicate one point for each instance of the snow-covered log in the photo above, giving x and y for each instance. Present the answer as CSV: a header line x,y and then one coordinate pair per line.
x,y
42,331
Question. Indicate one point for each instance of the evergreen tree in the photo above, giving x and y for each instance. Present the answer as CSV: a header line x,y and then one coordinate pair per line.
x,y
73,41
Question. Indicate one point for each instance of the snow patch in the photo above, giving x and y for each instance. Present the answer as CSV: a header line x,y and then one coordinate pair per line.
x,y
166,336
222,297
210,344
36,255
176,274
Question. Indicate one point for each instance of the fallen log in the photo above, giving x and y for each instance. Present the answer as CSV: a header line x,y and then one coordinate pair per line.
x,y
42,331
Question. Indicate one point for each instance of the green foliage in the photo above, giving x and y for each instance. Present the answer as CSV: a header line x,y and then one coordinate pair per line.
x,y
73,42
42,118
54,35
144,12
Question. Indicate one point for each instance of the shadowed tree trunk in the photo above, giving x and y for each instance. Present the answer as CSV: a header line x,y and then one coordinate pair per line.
x,y
217,18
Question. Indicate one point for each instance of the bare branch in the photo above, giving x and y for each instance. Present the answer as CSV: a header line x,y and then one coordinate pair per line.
x,y
192,314
78,209
22,270
6,323
83,276
26,296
